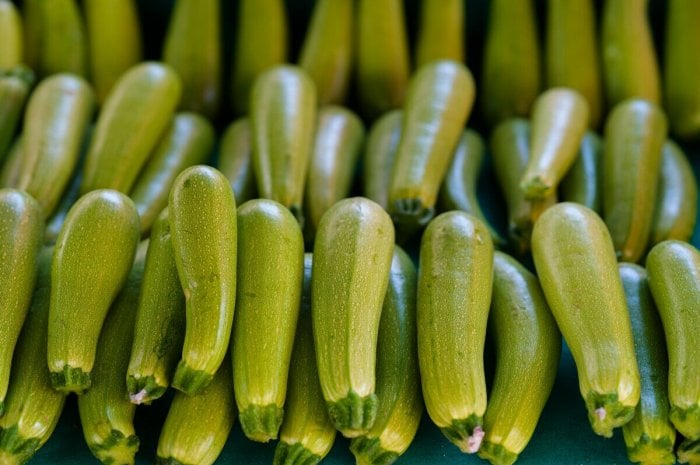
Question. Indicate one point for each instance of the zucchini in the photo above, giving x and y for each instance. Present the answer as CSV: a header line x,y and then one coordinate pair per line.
x,y
307,433
11,32
649,436
203,232
21,235
689,452
380,153
235,159
398,386
575,261
62,42
31,12
454,294
582,184
326,53
101,228
9,175
674,279
133,118
528,346
441,32
15,85
267,308
188,141
352,258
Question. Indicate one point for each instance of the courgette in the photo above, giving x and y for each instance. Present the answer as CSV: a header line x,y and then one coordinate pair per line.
x,y
235,159
11,168
11,35
441,32
15,85
689,452
583,183
380,153
62,39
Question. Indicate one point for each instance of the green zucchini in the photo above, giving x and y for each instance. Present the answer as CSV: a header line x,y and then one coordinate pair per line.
x,y
575,261
261,43
160,320
307,433
559,120
203,232
11,169
689,452
352,258
132,120
582,184
31,15
441,32
21,235
649,436
454,293
634,136
326,53
382,62
380,153
15,85
101,228
235,159
188,141
438,104
398,386
267,308
11,32
528,346
282,121
62,41
674,279
192,49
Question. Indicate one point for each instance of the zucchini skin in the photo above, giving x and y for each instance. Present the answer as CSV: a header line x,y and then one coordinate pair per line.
x,y
188,141
270,276
380,153
133,118
21,236
352,258
102,227
61,38
327,52
528,347
15,85
441,32
649,436
575,261
201,208
398,379
11,36
236,159
454,293
583,183
307,433
9,174
674,279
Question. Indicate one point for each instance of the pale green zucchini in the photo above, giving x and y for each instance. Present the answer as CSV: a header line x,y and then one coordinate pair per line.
x,y
380,153
235,159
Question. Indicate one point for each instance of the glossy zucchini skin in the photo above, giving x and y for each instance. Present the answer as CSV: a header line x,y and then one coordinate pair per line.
x,y
203,233
634,136
454,293
61,39
235,159
575,261
270,275
102,227
11,35
583,183
187,142
441,32
379,156
352,258
133,118
21,235
528,346
649,436
15,85
327,52
398,379
674,279
307,433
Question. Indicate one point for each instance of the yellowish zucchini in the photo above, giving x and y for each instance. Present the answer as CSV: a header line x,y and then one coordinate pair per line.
x,y
583,183
441,31
11,35
15,85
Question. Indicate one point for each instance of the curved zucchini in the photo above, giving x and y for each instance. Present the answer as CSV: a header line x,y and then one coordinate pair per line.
x,y
380,153
15,85
528,346
571,52
634,136
21,235
62,42
160,320
441,32
114,41
649,436
398,386
57,116
326,53
307,433
132,120
282,119
582,184
454,294
382,62
235,159
676,206
339,138
438,104
559,120
352,258
674,279
11,35
261,43
575,261
629,62
188,141
267,308
511,63
101,228
203,232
